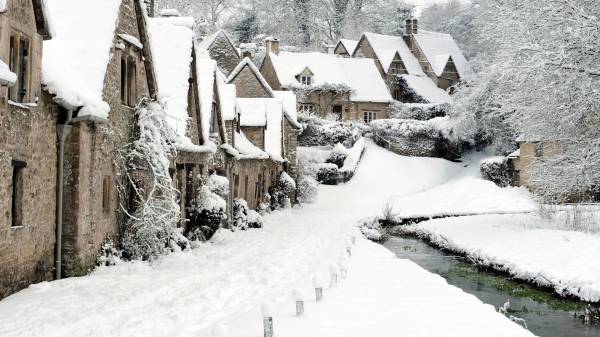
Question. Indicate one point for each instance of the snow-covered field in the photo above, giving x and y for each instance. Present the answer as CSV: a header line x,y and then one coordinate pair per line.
x,y
226,281
526,247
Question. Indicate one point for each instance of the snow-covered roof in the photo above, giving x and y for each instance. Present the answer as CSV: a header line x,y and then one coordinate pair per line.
x,y
253,111
3,6
274,132
515,154
205,69
361,75
364,79
246,149
42,17
438,48
171,42
425,88
386,46
7,77
227,96
247,62
207,41
349,45
132,40
73,69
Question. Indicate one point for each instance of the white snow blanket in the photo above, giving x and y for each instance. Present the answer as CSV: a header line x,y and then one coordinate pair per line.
x,y
525,247
225,281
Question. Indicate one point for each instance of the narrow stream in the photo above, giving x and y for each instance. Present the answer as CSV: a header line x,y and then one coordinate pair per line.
x,y
546,314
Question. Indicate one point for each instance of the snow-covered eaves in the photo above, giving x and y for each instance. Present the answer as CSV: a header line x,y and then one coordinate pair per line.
x,y
227,97
208,41
7,77
171,42
439,48
360,75
247,62
244,149
73,69
3,6
206,71
349,45
425,88
132,40
43,20
288,99
515,154
385,48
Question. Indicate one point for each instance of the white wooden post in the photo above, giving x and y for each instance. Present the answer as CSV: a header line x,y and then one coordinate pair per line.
x,y
267,312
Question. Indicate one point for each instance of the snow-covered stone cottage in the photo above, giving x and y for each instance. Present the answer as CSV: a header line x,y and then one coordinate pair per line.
x,y
349,88
27,149
97,70
418,67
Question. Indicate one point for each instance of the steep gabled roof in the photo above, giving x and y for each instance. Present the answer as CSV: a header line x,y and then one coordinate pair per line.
x,y
247,63
360,75
439,48
171,40
349,45
386,47
73,69
208,41
426,88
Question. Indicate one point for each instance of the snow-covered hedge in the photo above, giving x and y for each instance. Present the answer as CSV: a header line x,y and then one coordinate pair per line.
x,y
418,111
331,167
353,157
411,137
285,188
206,215
327,174
244,217
319,132
308,189
497,170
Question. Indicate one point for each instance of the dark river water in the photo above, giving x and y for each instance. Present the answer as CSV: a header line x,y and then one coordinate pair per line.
x,y
545,314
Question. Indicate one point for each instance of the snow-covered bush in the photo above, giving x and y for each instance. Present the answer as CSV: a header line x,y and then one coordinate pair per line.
x,y
244,217
109,255
327,174
338,155
264,206
286,186
152,228
218,184
497,170
418,111
206,216
308,189
372,230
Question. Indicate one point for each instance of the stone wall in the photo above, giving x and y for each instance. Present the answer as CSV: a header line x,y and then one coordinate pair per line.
x,y
268,72
259,174
28,135
256,134
225,54
248,85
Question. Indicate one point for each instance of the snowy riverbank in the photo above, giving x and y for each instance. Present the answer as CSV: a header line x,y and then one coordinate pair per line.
x,y
524,246
186,293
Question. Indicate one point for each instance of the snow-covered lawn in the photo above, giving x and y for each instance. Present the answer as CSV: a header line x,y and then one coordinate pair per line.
x,y
526,247
185,293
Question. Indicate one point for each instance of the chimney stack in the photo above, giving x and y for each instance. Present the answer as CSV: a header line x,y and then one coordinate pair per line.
x,y
272,45
415,26
408,27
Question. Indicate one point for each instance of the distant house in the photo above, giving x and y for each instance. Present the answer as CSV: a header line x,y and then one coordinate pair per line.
x,y
345,47
410,64
28,150
350,89
263,134
221,48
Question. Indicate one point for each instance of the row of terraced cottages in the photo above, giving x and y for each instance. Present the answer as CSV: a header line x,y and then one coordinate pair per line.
x,y
72,75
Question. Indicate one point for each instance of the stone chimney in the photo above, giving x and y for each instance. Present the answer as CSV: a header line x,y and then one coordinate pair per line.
x,y
415,26
248,50
272,45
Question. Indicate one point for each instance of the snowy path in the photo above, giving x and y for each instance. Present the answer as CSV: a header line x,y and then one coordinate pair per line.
x,y
184,294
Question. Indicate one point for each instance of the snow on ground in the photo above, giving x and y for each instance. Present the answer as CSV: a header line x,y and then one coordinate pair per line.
x,y
524,246
185,293
464,194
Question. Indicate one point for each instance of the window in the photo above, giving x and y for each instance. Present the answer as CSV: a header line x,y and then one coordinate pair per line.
x,y
236,186
106,194
449,82
129,81
369,116
17,192
246,187
19,64
214,123
337,110
307,108
306,79
397,94
395,69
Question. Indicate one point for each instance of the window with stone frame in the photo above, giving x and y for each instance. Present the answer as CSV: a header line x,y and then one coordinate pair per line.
x,y
129,76
20,64
306,79
106,194
214,122
18,181
369,116
395,68
307,108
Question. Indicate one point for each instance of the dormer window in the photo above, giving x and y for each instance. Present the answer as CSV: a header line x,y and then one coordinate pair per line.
x,y
395,69
306,79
